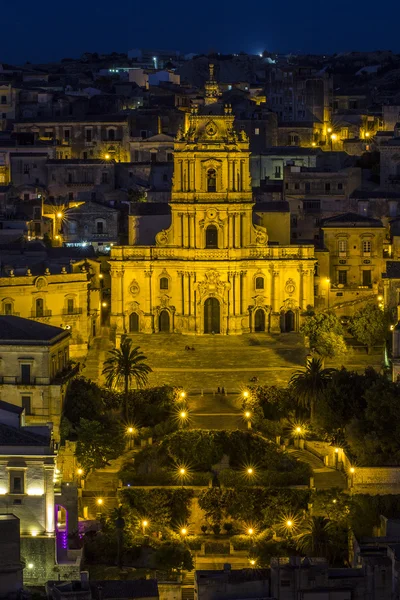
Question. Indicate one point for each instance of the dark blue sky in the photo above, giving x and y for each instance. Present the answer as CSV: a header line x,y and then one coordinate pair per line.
x,y
49,30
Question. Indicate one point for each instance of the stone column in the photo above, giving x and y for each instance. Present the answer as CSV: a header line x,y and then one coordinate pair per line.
x,y
151,327
49,497
187,293
182,282
231,242
237,230
193,230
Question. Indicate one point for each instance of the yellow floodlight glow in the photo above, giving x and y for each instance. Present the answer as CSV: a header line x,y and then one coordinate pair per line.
x,y
99,501
107,156
59,215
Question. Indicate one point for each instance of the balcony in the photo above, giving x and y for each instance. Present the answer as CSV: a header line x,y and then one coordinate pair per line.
x,y
17,380
40,314
71,313
79,183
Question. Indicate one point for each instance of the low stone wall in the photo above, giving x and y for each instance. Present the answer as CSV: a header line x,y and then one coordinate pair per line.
x,y
383,479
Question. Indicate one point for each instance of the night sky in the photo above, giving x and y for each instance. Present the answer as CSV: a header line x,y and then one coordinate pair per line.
x,y
49,30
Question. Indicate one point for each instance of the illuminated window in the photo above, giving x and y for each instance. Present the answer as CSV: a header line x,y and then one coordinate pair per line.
x,y
366,246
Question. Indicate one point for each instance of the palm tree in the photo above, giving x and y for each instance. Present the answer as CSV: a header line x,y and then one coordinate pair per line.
x,y
126,366
308,385
320,537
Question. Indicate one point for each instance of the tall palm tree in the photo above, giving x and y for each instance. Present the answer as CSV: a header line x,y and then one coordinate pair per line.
x,y
319,537
125,366
308,385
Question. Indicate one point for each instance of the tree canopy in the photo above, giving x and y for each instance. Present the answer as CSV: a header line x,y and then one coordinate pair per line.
x,y
370,325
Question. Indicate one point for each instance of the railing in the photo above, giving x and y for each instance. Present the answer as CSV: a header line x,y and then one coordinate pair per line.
x,y
40,314
13,314
74,311
17,380
267,252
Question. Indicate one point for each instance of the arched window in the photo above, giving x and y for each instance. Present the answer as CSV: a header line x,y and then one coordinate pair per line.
x,y
211,180
259,283
211,237
164,283
39,307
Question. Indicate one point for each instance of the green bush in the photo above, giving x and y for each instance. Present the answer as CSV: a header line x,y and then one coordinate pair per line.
x,y
217,548
241,542
164,507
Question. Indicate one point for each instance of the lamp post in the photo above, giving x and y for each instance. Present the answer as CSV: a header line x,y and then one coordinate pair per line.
x,y
130,431
333,138
352,471
145,524
247,416
328,288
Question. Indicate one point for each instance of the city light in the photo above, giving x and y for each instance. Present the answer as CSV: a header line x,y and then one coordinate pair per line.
x,y
99,501
337,450
104,304
107,156
367,134
247,414
30,565
145,523
250,531
182,395
246,394
183,414
352,470
250,471
80,471
34,533
252,562
289,523
184,531
59,215
333,136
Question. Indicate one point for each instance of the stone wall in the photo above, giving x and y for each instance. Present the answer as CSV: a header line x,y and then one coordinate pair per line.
x,y
376,477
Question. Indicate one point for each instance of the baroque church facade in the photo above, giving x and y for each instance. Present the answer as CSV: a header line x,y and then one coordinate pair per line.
x,y
212,271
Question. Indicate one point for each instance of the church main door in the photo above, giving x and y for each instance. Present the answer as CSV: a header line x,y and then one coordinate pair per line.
x,y
259,320
163,321
212,316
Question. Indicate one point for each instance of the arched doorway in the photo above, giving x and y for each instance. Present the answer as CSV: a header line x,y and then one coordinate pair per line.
x,y
163,321
134,323
259,320
212,316
289,321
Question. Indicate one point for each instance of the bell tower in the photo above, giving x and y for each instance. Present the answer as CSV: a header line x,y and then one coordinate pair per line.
x,y
211,160
211,199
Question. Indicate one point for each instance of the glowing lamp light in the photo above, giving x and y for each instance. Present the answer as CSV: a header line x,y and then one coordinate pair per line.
x,y
250,471
183,531
99,501
34,533
250,531
245,394
3,491
334,501
298,429
313,144
333,136
80,471
182,471
367,134
35,491
337,450
329,130
59,215
130,430
182,394
247,414
30,565
183,414
104,304
289,523
380,297
107,156
252,562
352,470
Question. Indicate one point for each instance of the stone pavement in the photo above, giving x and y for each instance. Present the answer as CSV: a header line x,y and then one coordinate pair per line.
x,y
324,477
216,411
230,361
96,356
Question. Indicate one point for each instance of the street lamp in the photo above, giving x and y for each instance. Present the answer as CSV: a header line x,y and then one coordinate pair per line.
x,y
352,471
328,281
130,432
182,395
247,415
107,156
145,524
99,501
333,139
184,531
250,531
250,471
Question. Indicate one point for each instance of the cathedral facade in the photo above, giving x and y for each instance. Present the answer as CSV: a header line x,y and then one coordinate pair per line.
x,y
212,271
